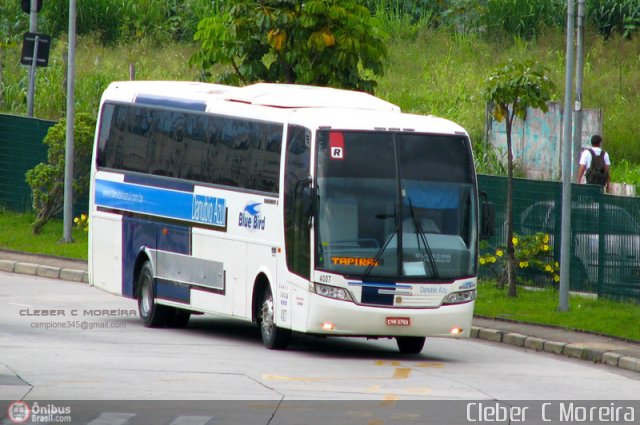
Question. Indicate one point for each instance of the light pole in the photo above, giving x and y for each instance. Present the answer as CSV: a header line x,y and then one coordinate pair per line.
x,y
565,235
33,28
67,214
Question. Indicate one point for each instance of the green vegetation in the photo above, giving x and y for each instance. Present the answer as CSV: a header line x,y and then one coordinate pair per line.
x,y
333,43
600,316
47,180
16,236
532,253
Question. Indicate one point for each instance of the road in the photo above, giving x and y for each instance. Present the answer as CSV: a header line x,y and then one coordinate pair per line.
x,y
68,341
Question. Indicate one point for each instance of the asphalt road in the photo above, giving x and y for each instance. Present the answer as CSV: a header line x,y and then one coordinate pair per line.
x,y
68,341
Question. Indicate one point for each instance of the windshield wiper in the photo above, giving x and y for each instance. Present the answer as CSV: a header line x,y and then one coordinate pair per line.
x,y
379,253
421,236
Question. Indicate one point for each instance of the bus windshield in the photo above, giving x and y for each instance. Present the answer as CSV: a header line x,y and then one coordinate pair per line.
x,y
395,206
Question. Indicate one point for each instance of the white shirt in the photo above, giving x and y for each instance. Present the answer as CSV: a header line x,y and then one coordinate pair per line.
x,y
585,157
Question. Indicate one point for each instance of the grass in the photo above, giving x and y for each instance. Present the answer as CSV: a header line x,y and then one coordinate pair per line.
x,y
600,316
16,236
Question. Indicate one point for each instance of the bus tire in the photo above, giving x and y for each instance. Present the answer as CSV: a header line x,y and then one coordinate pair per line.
x,y
152,314
273,337
410,344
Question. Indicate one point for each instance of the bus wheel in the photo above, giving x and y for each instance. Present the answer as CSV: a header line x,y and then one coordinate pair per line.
x,y
410,344
152,314
273,337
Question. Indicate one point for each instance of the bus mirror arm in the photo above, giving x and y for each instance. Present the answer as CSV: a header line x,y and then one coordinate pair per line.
x,y
487,223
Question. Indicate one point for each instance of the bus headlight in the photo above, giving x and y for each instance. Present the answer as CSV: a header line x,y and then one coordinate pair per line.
x,y
332,292
460,297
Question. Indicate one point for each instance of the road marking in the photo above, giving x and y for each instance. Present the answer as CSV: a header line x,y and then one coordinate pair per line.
x,y
401,373
192,420
20,305
112,419
385,363
436,365
418,390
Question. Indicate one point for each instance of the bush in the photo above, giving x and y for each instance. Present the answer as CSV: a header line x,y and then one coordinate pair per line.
x,y
534,257
47,180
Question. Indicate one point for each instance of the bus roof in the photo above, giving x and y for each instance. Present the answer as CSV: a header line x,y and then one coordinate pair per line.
x,y
331,118
285,96
300,104
301,96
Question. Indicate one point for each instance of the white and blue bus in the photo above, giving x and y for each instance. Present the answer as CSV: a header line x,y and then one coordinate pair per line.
x,y
303,209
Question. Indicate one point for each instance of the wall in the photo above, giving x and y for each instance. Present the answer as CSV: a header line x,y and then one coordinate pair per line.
x,y
537,141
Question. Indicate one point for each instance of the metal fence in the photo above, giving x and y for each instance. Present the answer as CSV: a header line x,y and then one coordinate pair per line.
x,y
605,232
21,149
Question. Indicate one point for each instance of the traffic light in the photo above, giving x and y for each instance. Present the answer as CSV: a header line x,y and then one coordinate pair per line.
x,y
26,5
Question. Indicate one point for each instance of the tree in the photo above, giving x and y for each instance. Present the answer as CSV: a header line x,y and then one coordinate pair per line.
x,y
511,89
47,180
319,42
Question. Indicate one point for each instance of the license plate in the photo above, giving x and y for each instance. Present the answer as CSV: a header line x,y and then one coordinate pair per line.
x,y
398,321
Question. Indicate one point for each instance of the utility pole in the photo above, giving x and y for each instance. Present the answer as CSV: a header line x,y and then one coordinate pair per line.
x,y
67,216
33,28
565,236
577,124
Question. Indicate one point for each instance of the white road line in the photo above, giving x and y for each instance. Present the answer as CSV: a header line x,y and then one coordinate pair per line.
x,y
191,420
112,419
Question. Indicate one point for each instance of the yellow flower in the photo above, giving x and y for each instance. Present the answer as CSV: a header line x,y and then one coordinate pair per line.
x,y
499,253
545,247
557,264
515,241
75,220
83,217
556,278
524,264
548,268
482,261
491,259
545,239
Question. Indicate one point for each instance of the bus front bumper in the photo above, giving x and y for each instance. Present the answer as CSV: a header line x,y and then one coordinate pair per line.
x,y
342,318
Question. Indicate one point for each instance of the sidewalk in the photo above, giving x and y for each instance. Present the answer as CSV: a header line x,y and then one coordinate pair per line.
x,y
579,345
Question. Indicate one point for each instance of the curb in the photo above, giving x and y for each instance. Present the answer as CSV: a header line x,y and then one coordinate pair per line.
x,y
576,350
12,266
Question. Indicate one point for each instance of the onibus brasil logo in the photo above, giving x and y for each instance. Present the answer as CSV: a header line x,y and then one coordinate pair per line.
x,y
19,412
251,217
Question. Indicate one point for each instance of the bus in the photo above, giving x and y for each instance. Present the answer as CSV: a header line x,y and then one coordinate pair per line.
x,y
303,209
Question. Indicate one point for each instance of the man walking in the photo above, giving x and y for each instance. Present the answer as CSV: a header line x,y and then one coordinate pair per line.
x,y
595,164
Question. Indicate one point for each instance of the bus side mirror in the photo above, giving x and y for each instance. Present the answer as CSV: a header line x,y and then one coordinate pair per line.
x,y
308,197
487,217
309,200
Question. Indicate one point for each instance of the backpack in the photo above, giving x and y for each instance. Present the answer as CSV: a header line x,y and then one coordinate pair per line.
x,y
597,172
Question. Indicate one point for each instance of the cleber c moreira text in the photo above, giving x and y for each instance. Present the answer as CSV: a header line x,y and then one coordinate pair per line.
x,y
556,412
